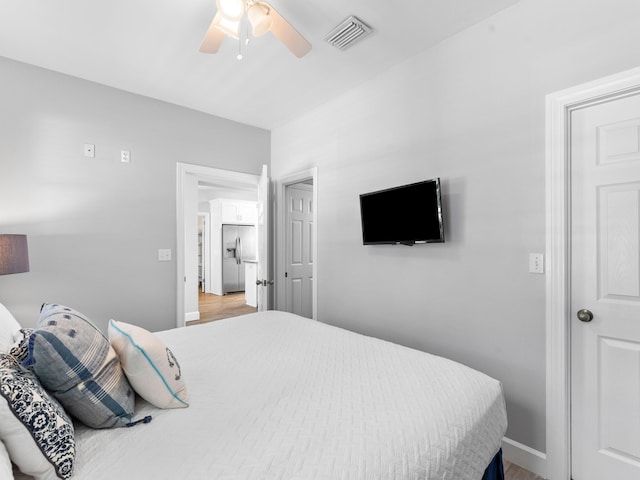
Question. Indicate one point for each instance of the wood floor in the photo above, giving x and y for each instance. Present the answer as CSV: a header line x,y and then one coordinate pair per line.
x,y
514,472
215,307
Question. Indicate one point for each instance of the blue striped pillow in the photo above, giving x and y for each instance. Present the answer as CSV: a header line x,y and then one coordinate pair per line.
x,y
76,363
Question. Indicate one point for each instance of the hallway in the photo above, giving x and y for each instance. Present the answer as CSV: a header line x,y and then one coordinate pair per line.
x,y
215,307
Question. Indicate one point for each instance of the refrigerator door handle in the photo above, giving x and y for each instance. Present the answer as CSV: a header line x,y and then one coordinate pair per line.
x,y
239,250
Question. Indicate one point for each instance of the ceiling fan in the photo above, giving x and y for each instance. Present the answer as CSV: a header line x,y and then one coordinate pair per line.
x,y
262,17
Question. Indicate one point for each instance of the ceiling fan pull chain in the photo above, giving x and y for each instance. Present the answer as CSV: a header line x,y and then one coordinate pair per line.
x,y
246,32
239,57
244,24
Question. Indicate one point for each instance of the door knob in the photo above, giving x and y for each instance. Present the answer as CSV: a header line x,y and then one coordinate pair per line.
x,y
585,315
258,282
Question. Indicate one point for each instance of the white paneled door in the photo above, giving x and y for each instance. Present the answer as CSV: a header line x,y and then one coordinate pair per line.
x,y
299,253
605,290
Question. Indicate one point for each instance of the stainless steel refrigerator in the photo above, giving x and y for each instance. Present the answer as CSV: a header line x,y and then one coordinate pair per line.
x,y
239,244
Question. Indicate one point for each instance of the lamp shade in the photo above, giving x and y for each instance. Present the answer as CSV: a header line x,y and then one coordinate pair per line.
x,y
14,256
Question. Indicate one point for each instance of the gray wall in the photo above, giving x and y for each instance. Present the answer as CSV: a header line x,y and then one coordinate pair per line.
x,y
471,111
94,226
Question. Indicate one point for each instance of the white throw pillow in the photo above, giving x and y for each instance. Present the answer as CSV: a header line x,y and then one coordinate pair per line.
x,y
150,367
9,329
6,470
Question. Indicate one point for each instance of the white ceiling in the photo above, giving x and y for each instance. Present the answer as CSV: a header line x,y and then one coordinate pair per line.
x,y
150,47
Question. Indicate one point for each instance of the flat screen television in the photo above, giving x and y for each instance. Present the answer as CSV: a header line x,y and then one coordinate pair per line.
x,y
404,215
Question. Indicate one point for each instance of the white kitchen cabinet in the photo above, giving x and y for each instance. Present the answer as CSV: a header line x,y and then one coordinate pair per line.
x,y
238,212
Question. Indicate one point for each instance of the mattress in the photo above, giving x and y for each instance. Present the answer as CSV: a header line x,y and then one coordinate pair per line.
x,y
274,396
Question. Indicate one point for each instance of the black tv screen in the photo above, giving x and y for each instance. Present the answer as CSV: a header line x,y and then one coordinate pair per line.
x,y
404,215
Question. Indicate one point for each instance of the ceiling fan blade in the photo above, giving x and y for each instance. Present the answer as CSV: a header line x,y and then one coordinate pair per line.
x,y
288,35
212,39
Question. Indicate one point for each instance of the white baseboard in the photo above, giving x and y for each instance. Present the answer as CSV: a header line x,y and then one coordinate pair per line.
x,y
191,316
525,457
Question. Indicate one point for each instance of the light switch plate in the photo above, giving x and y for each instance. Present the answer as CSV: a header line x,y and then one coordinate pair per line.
x,y
164,255
536,263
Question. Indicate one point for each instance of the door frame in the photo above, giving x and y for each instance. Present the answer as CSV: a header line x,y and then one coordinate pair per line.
x,y
206,250
559,106
205,174
281,190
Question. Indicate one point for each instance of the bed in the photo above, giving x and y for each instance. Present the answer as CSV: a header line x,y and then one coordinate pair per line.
x,y
276,396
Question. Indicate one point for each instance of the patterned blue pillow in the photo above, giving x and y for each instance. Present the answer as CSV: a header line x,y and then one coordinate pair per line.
x,y
76,363
35,429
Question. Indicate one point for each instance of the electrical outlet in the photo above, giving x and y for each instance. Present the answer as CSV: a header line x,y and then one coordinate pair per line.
x,y
536,263
125,156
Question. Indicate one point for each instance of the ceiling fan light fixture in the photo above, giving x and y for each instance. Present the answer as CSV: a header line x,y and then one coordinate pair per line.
x,y
229,27
232,10
263,18
259,18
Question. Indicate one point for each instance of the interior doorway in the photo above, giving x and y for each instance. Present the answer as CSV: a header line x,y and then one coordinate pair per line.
x,y
561,316
298,264
605,289
227,263
297,271
217,307
190,179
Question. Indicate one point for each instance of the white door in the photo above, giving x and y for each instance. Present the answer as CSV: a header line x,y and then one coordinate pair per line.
x,y
605,287
299,253
264,281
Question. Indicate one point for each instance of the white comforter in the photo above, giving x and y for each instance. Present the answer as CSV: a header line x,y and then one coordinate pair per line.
x,y
276,396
